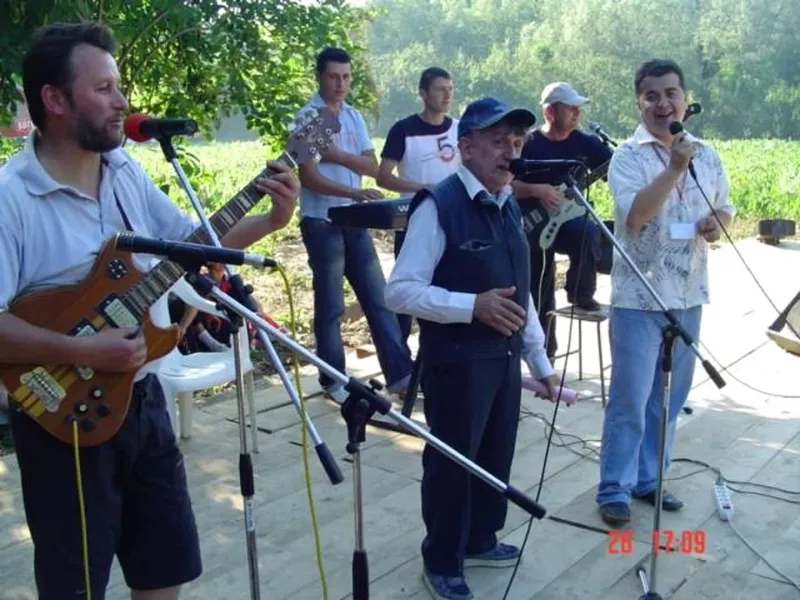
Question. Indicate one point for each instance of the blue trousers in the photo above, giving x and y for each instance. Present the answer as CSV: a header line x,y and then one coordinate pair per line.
x,y
335,253
473,406
630,446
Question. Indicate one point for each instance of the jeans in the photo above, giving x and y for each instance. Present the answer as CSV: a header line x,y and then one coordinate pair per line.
x,y
335,253
630,446
581,281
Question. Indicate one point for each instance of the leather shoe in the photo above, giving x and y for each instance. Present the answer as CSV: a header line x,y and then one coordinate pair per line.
x,y
669,502
615,513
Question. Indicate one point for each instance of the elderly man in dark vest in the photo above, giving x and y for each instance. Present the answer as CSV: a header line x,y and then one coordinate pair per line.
x,y
463,273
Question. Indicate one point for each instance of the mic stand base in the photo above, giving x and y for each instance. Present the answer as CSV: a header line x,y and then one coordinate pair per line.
x,y
246,478
669,334
357,410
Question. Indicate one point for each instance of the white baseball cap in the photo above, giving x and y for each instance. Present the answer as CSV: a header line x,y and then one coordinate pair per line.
x,y
563,93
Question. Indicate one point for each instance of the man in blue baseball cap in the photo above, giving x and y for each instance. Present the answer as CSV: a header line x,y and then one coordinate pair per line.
x,y
463,272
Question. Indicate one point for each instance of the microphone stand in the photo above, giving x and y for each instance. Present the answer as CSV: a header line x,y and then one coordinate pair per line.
x,y
359,407
671,330
242,295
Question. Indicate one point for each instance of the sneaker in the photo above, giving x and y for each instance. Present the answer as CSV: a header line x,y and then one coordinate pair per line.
x,y
501,556
446,587
615,513
337,393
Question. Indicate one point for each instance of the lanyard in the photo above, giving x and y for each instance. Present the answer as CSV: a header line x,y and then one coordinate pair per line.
x,y
679,188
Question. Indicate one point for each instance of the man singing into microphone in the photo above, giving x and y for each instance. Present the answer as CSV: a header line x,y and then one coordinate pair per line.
x,y
463,273
664,223
63,196
560,139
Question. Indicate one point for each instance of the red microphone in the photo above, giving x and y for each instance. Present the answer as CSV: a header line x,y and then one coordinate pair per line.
x,y
141,127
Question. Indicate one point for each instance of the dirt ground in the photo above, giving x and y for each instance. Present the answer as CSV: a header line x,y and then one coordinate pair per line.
x,y
269,290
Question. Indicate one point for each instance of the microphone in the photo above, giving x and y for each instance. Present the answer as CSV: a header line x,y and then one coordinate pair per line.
x,y
675,128
598,131
141,128
523,166
693,109
189,255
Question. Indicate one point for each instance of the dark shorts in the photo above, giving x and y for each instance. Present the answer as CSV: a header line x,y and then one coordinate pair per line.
x,y
136,498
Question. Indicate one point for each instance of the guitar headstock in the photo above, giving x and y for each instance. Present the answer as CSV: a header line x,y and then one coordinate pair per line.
x,y
311,133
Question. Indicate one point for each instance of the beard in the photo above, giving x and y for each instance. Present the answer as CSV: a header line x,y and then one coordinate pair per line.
x,y
95,138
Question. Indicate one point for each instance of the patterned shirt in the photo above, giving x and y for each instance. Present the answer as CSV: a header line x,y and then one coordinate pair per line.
x,y
677,269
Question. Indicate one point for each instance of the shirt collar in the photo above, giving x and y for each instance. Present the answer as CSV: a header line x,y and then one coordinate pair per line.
x,y
39,182
475,187
318,102
643,136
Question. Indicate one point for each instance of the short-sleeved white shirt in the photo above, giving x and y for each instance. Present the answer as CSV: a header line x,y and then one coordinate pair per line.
x,y
676,269
353,138
50,233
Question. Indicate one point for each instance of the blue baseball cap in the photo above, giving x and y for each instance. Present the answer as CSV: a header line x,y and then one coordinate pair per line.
x,y
488,111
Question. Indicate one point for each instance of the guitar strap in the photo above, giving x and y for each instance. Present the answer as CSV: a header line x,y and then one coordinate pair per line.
x,y
122,212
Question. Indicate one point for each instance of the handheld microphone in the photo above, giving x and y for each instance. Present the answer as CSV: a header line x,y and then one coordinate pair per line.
x,y
190,255
141,128
523,166
675,128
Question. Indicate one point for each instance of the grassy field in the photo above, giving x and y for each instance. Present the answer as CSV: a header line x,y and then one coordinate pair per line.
x,y
764,177
764,174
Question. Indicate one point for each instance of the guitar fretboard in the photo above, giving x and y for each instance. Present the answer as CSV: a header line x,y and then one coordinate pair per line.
x,y
165,274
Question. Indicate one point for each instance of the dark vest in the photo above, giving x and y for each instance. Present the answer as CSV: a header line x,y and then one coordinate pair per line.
x,y
485,248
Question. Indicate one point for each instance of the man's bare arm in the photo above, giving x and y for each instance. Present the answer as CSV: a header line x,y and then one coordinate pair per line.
x,y
364,164
388,180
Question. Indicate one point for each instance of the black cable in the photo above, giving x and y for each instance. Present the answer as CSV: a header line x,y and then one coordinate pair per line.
x,y
735,249
557,402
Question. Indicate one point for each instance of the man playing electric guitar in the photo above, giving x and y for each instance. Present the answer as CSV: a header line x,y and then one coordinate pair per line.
x,y
63,196
537,194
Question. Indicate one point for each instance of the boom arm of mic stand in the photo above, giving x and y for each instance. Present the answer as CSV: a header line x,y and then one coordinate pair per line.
x,y
575,194
323,452
380,404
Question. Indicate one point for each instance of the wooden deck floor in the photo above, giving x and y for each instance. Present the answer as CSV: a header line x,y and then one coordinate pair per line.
x,y
750,436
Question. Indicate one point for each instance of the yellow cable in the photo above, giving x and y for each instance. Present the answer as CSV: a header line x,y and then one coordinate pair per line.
x,y
84,535
306,466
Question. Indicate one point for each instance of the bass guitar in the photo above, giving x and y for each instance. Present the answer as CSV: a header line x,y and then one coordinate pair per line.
x,y
117,294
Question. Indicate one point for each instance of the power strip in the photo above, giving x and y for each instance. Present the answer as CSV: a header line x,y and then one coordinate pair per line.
x,y
724,502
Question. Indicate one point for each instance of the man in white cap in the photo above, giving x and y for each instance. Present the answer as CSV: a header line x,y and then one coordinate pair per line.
x,y
560,139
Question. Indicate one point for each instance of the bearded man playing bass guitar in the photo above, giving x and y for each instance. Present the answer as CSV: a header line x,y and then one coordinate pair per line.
x,y
560,139
63,196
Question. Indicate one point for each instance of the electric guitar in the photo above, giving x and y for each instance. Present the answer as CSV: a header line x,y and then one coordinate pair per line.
x,y
117,294
537,216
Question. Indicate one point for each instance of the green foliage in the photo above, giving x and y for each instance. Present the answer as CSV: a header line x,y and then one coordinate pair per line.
x,y
204,59
740,57
764,177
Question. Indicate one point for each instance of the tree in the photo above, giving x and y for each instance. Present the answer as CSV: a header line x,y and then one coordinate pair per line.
x,y
203,59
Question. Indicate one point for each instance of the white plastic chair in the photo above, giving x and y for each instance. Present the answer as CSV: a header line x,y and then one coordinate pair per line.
x,y
182,375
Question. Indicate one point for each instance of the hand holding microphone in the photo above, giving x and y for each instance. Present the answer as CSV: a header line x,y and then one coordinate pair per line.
x,y
682,150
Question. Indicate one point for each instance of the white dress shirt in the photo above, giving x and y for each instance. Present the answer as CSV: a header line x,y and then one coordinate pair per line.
x,y
409,290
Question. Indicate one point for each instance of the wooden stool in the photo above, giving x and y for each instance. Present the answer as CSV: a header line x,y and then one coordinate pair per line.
x,y
580,316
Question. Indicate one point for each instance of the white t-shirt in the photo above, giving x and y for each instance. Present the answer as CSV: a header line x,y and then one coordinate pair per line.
x,y
425,153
